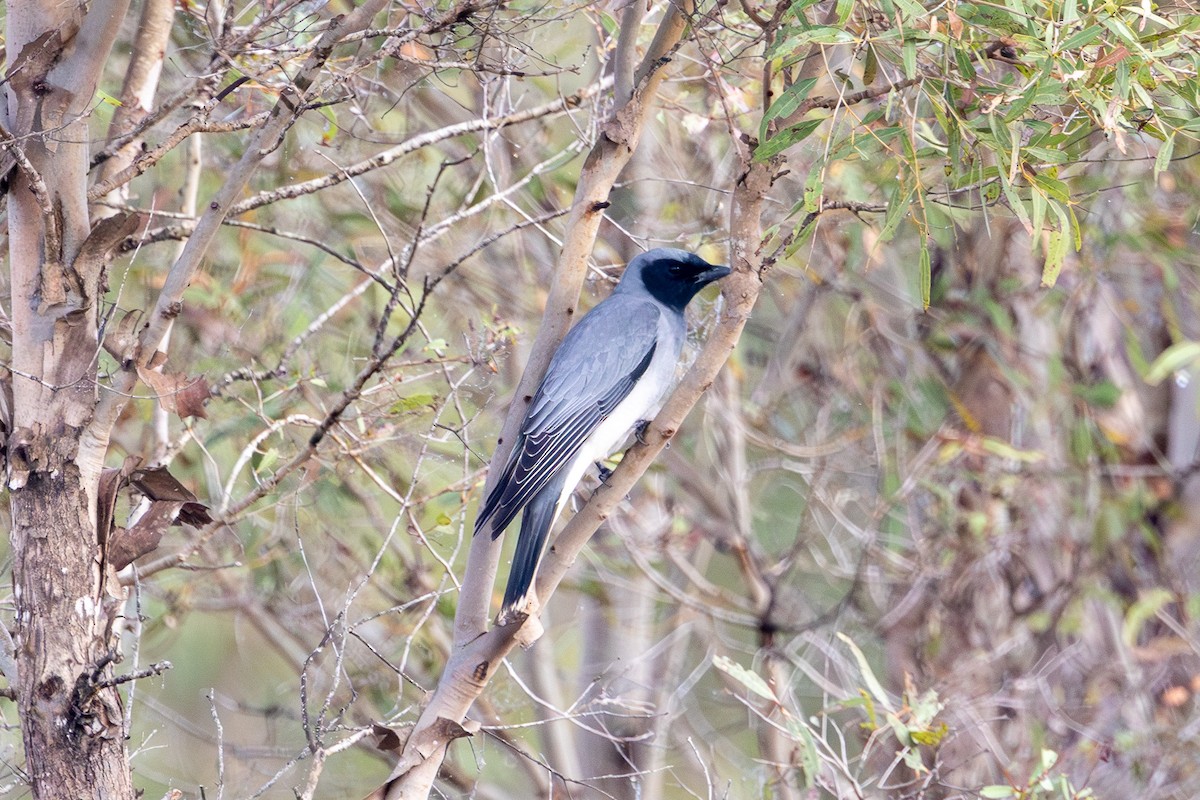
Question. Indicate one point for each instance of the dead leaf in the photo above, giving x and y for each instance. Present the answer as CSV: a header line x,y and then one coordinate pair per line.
x,y
190,400
143,536
106,502
194,514
159,484
955,23
1112,57
177,394
387,739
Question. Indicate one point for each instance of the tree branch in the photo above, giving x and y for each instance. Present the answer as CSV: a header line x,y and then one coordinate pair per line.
x,y
618,140
478,650
181,273
473,663
141,81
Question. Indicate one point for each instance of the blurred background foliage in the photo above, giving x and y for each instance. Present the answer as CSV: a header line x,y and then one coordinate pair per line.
x,y
932,534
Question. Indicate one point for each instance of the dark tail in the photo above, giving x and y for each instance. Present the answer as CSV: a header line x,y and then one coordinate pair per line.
x,y
536,521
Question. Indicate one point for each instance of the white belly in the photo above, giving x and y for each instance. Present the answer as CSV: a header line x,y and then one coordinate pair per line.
x,y
642,403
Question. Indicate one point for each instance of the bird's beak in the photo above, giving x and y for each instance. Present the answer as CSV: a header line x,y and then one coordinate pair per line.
x,y
713,273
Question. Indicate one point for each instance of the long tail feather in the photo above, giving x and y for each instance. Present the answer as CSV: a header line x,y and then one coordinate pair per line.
x,y
536,522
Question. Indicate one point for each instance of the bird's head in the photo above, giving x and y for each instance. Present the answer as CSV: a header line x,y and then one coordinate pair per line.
x,y
673,277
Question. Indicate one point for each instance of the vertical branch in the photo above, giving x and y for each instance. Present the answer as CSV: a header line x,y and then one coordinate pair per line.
x,y
618,140
740,292
476,649
626,55
140,86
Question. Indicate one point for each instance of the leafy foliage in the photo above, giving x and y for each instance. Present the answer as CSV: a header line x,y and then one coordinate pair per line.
x,y
976,104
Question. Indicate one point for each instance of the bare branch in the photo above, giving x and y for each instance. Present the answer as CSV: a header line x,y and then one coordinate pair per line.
x,y
180,275
626,55
141,79
41,194
558,106
269,483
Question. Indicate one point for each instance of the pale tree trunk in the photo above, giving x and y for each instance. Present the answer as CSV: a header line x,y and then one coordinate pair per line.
x,y
66,606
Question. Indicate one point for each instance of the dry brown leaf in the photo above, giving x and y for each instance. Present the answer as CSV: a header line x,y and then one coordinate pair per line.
x,y
159,484
177,394
955,23
129,544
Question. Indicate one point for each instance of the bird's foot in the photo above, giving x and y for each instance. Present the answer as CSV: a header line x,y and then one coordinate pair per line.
x,y
605,472
639,430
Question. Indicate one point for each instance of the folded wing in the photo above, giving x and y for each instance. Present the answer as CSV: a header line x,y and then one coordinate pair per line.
x,y
595,368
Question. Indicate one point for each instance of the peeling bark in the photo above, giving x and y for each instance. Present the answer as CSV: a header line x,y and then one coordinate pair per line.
x,y
65,608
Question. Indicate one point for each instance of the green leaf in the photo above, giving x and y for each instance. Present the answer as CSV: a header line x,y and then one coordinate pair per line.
x,y
900,730
105,97
812,189
926,274
966,65
414,402
870,66
751,680
912,9
910,59
1075,229
787,137
1037,213
1045,154
810,759
1069,14
997,792
844,9
330,129
1163,159
1056,256
818,34
262,464
1022,103
873,684
1053,187
1082,446
1015,203
611,26
802,239
932,737
1176,357
912,760
787,104
897,209
1005,450
1084,38
1104,394
925,707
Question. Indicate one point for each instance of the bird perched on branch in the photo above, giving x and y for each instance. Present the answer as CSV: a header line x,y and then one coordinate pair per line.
x,y
611,373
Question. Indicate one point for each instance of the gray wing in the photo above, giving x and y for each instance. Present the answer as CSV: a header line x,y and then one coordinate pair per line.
x,y
593,370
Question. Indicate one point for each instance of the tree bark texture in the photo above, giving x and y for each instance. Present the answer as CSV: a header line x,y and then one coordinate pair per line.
x,y
66,607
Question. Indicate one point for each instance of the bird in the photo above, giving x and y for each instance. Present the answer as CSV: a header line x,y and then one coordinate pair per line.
x,y
608,378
